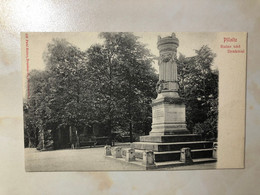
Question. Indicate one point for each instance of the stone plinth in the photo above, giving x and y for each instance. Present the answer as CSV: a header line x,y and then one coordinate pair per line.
x,y
168,147
130,154
168,117
148,158
163,147
107,150
170,138
215,150
186,155
116,152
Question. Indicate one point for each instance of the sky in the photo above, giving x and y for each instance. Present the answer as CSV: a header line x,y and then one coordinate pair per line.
x,y
188,42
37,44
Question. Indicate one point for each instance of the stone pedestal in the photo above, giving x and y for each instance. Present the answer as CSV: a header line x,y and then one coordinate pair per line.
x,y
130,155
107,150
116,152
186,156
168,116
215,150
148,158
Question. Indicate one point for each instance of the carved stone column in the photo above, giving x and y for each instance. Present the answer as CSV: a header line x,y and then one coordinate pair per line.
x,y
167,85
168,108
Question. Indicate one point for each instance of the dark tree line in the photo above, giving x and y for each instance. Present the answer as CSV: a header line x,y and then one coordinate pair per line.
x,y
112,85
199,87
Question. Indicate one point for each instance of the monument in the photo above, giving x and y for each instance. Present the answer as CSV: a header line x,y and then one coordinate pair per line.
x,y
168,108
169,141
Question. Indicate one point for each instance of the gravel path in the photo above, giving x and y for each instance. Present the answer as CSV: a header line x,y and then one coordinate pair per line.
x,y
87,159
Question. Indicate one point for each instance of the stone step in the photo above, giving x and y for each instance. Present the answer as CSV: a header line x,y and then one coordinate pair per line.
x,y
139,163
161,147
179,163
175,155
170,138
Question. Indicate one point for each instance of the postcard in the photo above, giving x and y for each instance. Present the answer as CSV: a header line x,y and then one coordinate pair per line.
x,y
122,101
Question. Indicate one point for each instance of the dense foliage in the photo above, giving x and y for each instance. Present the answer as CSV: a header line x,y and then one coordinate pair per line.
x,y
122,83
111,85
199,87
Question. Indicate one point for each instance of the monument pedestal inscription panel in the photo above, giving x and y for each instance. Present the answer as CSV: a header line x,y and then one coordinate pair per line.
x,y
168,118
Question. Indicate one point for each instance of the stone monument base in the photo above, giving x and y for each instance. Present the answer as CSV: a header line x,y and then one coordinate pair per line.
x,y
169,140
168,148
168,115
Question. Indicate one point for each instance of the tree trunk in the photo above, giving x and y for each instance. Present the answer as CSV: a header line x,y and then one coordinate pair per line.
x,y
29,143
131,130
130,109
43,140
77,137
70,131
110,100
36,137
110,130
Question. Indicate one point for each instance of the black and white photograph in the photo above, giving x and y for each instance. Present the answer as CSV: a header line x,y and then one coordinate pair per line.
x,y
121,101
129,97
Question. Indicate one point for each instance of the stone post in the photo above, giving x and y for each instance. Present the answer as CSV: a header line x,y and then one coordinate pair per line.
x,y
130,154
107,150
186,156
215,150
116,153
148,158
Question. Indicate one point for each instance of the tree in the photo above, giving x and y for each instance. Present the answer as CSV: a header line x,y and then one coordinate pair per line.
x,y
199,87
123,81
69,98
35,109
59,94
30,132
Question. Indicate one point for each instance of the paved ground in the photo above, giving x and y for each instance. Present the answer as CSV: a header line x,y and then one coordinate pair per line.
x,y
87,159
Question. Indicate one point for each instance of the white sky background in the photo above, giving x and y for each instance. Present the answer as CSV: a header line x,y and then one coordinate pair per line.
x,y
188,43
